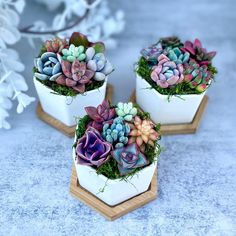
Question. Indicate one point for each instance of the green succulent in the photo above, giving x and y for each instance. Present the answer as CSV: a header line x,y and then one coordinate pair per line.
x,y
74,53
126,110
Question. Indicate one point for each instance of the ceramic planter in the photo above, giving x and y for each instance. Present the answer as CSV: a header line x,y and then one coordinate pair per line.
x,y
175,111
65,108
115,191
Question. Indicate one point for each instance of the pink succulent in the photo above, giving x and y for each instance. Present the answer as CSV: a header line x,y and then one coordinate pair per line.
x,y
167,73
75,75
56,45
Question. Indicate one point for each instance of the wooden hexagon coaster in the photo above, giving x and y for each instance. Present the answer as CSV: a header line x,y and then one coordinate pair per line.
x,y
112,212
67,130
185,128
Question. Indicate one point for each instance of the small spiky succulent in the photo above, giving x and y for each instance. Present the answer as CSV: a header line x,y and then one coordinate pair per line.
x,y
73,53
129,158
142,132
167,73
117,132
197,52
55,45
126,110
171,42
197,76
75,75
48,66
101,115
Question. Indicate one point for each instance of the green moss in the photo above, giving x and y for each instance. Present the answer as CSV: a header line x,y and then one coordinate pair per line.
x,y
144,70
67,91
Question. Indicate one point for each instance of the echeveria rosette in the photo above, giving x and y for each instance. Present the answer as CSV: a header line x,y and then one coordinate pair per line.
x,y
198,53
55,45
171,42
143,133
177,56
126,110
129,158
101,115
92,149
117,132
167,73
197,76
75,75
48,66
98,63
74,53
151,53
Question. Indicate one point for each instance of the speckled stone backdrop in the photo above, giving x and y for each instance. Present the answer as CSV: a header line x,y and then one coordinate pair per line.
x,y
197,173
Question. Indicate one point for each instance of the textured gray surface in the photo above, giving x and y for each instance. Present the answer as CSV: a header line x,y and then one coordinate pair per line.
x,y
196,172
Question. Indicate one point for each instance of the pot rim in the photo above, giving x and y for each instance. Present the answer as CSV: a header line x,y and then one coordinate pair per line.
x,y
82,94
166,96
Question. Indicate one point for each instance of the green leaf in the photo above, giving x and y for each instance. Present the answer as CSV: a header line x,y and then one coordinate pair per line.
x,y
99,47
79,39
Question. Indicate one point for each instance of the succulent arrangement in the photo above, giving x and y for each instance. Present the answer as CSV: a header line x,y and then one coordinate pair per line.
x,y
116,140
176,68
72,66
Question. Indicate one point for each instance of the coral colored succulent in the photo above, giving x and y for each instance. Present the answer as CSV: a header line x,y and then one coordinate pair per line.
x,y
101,115
55,45
171,42
117,132
98,63
126,110
167,73
73,53
129,158
197,52
48,66
178,57
75,75
142,132
91,149
197,76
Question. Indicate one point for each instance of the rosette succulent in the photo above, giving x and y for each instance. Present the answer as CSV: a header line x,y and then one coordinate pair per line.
x,y
167,73
116,133
197,52
101,115
48,66
142,132
178,57
73,53
171,42
152,53
91,149
55,45
197,76
129,158
98,63
126,110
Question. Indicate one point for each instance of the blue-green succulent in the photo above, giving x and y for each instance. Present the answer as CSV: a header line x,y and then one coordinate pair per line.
x,y
48,66
117,132
177,56
74,53
126,110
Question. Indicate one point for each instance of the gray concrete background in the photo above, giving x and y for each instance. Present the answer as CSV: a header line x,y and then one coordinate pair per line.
x,y
196,173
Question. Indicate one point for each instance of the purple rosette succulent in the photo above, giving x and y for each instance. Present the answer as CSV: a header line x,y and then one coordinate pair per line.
x,y
129,158
101,115
91,149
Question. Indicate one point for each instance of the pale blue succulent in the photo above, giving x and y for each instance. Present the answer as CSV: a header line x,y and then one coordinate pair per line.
x,y
126,110
74,53
117,132
177,56
48,66
98,63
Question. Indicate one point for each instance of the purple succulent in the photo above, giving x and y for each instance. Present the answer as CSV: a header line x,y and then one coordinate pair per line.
x,y
129,158
152,53
197,52
101,115
75,75
91,149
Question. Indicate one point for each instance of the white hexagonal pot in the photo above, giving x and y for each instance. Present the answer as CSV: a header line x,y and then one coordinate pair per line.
x,y
65,108
114,191
175,111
